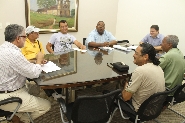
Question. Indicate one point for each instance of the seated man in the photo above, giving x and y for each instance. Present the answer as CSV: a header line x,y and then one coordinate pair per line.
x,y
32,45
62,41
154,38
147,78
99,37
14,70
172,63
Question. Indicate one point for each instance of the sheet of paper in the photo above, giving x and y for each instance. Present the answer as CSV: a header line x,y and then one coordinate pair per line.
x,y
121,47
107,48
132,47
50,67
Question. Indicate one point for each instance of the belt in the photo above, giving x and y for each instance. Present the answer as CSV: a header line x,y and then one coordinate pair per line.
x,y
10,91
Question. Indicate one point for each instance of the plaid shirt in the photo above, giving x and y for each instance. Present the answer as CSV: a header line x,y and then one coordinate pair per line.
x,y
14,68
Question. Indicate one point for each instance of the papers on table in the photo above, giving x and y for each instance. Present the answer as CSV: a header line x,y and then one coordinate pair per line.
x,y
132,47
125,48
50,67
106,48
79,50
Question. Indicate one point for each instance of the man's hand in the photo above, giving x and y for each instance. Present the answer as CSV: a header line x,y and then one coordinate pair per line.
x,y
83,47
44,61
106,44
39,57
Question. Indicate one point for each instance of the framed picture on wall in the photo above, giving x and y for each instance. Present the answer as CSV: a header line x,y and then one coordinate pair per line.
x,y
45,14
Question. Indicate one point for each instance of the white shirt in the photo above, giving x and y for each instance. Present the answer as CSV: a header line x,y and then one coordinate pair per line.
x,y
14,68
62,42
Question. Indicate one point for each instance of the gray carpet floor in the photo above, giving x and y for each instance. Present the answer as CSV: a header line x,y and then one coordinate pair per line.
x,y
53,116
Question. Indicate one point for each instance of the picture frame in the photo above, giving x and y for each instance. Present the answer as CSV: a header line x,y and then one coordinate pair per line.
x,y
45,14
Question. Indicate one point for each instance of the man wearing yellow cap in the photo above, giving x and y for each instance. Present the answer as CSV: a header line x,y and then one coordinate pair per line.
x,y
32,45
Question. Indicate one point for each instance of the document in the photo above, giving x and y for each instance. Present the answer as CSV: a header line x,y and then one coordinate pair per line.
x,y
50,67
132,47
79,50
121,48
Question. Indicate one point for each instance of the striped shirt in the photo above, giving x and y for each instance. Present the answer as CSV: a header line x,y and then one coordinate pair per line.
x,y
14,68
94,36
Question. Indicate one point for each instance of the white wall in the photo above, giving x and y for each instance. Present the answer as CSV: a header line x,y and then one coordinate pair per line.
x,y
126,19
135,17
90,12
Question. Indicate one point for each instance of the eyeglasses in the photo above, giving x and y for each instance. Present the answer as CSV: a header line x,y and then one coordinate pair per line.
x,y
23,36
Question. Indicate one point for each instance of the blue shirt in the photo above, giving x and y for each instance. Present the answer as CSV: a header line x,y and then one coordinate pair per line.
x,y
94,36
153,41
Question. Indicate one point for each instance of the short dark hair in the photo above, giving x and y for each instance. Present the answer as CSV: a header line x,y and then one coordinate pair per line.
x,y
62,21
12,31
156,27
150,50
99,22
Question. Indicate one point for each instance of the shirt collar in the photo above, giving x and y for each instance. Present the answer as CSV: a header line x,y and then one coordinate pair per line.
x,y
28,40
158,36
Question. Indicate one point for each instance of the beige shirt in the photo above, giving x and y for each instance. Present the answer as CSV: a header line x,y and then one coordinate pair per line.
x,y
146,80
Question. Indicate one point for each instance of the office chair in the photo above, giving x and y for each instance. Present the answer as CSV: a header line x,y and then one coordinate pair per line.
x,y
149,109
84,39
6,115
90,109
178,97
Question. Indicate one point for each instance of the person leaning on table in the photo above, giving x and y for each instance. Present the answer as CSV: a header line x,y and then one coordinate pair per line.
x,y
14,70
147,78
32,46
100,37
154,38
62,40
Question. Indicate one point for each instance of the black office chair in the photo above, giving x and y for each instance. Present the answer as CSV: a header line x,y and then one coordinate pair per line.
x,y
90,109
9,115
84,39
149,109
178,97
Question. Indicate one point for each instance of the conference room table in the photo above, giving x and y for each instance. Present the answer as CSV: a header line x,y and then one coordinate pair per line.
x,y
85,68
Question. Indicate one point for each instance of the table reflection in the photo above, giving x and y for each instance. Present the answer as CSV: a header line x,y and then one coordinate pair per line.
x,y
65,60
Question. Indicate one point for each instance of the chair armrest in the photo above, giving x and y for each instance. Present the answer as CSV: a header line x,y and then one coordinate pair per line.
x,y
11,100
167,89
62,104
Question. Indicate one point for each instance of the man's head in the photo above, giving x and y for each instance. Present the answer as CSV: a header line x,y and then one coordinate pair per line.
x,y
170,41
154,30
32,32
100,27
63,26
15,34
145,53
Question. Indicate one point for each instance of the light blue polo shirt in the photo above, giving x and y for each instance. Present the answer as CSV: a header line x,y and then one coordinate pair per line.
x,y
153,41
94,36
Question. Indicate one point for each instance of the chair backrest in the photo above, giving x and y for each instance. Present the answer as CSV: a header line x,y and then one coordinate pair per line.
x,y
52,47
84,39
152,107
179,95
94,109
